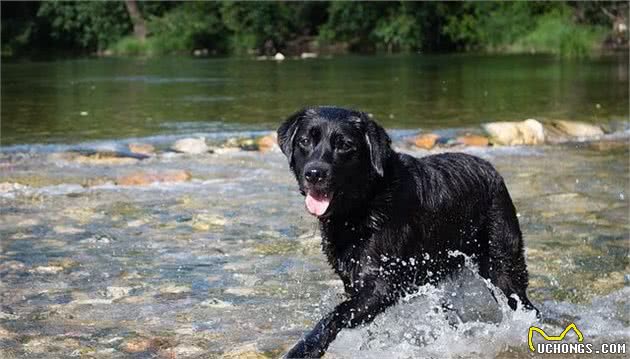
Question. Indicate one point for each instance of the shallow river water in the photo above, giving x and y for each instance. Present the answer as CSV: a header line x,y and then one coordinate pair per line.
x,y
228,264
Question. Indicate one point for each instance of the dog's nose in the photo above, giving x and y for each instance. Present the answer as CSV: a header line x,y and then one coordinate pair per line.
x,y
314,175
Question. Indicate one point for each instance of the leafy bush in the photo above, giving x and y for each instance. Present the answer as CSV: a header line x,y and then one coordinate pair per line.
x,y
86,24
556,33
190,26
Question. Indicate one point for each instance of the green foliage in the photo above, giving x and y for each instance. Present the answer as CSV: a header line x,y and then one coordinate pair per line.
x,y
131,46
86,24
187,27
257,25
523,27
399,31
563,28
352,22
556,33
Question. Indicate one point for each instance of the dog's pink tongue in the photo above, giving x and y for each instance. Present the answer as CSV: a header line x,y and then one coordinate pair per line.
x,y
316,205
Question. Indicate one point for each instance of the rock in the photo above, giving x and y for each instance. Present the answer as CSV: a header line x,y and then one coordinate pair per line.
x,y
426,141
117,292
248,351
66,230
610,145
92,157
98,238
142,148
145,178
216,303
10,187
266,143
48,269
308,55
528,132
174,289
137,345
181,351
278,56
205,222
240,291
577,129
473,140
190,145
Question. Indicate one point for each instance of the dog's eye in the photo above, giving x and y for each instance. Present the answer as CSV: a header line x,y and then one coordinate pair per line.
x,y
304,141
344,146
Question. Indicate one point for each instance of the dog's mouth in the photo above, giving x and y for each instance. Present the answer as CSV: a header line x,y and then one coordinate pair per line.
x,y
317,203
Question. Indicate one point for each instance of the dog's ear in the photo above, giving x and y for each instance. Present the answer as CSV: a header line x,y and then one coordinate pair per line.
x,y
378,144
286,134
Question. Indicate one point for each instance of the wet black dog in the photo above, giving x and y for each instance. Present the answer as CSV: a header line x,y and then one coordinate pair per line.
x,y
391,222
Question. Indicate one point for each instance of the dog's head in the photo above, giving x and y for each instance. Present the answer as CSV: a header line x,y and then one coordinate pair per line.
x,y
335,154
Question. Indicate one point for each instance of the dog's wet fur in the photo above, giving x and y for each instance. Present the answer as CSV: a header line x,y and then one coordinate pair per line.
x,y
392,222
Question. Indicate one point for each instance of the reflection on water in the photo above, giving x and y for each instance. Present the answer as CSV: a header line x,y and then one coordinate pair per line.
x,y
229,262
72,101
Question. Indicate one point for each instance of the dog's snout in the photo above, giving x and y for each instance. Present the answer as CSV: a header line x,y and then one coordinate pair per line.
x,y
315,174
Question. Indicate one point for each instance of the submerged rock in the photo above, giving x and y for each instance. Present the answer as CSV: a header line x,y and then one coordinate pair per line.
x,y
266,143
205,222
248,351
577,129
216,303
180,351
138,345
528,132
426,141
190,145
93,157
473,140
145,178
142,148
11,187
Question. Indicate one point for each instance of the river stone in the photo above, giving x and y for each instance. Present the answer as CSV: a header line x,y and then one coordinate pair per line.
x,y
473,140
266,143
92,157
180,351
11,187
248,351
142,148
528,132
190,145
216,303
577,129
137,345
145,178
117,292
426,140
206,222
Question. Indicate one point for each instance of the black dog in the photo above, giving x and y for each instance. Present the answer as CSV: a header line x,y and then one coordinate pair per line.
x,y
391,222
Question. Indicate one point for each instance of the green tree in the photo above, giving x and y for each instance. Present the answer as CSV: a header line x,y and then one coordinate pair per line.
x,y
90,25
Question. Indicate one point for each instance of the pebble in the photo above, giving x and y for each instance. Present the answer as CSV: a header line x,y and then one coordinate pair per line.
x,y
266,143
142,148
473,140
190,145
426,141
205,222
528,132
146,178
248,351
216,303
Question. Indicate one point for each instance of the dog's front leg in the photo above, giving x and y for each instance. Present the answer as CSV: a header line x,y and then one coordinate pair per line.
x,y
360,309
